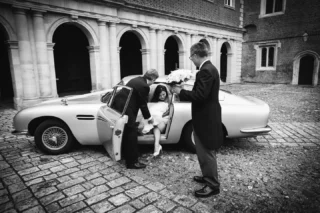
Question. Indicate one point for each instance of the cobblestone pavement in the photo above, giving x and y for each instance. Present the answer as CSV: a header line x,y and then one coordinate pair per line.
x,y
87,180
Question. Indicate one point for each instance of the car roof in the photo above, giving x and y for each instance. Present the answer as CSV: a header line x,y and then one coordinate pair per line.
x,y
161,79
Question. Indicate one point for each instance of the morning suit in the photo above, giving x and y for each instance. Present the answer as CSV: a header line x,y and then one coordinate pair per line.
x,y
137,101
206,119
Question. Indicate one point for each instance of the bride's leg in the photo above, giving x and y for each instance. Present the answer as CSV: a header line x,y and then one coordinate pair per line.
x,y
157,134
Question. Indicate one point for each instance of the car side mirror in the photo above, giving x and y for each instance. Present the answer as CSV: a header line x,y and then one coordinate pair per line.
x,y
105,97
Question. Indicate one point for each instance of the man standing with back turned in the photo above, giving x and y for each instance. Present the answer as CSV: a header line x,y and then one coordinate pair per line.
x,y
139,99
206,118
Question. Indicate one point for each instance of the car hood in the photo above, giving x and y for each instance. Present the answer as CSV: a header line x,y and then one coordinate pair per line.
x,y
77,99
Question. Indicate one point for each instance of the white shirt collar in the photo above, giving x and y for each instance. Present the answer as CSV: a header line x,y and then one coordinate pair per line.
x,y
203,63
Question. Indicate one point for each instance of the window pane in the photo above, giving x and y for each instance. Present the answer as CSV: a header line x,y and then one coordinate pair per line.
x,y
278,6
269,6
271,57
264,57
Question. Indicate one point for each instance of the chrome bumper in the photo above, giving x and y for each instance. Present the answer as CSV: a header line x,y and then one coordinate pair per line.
x,y
15,132
257,130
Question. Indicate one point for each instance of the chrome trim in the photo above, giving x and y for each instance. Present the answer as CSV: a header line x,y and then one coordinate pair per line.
x,y
257,130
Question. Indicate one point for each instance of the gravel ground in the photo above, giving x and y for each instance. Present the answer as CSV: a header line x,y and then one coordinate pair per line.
x,y
253,178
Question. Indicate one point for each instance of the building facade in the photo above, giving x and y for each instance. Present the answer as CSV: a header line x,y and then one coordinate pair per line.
x,y
53,48
281,41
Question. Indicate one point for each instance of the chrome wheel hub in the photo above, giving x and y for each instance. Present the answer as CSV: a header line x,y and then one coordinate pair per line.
x,y
54,138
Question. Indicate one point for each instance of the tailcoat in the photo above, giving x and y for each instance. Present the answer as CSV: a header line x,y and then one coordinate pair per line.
x,y
206,109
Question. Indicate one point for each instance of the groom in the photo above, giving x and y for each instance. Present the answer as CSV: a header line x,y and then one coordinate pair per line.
x,y
206,118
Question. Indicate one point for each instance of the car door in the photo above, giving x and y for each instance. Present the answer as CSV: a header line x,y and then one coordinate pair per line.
x,y
111,120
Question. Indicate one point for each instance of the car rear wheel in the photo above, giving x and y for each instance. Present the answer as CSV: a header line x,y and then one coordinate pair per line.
x,y
187,138
54,137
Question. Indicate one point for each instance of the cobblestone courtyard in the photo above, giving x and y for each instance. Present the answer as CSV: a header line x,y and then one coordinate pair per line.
x,y
86,180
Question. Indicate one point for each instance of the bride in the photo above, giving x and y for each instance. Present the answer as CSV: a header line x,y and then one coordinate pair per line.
x,y
159,110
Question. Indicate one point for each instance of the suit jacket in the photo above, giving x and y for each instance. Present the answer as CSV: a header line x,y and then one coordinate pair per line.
x,y
206,109
138,100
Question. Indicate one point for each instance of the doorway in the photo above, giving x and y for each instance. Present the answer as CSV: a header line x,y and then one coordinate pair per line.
x,y
306,70
6,87
72,62
224,63
130,55
171,58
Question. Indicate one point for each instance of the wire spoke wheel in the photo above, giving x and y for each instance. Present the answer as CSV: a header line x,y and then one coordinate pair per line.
x,y
54,138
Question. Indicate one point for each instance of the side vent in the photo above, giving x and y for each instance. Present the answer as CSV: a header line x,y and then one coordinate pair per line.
x,y
85,117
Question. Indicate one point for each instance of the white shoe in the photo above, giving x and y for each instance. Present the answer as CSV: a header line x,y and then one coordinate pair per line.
x,y
157,153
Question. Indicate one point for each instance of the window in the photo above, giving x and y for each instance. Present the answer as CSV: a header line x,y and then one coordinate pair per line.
x,y
272,7
229,3
266,57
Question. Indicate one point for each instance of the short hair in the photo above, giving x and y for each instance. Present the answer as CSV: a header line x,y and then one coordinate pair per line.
x,y
151,74
199,49
157,91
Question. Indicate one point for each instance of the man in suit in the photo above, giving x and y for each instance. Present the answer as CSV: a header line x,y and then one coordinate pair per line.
x,y
206,118
139,99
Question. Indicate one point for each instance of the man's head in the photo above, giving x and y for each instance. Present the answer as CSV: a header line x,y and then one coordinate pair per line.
x,y
151,75
198,53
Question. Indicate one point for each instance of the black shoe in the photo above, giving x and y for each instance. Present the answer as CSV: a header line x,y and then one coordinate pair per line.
x,y
199,179
136,165
206,192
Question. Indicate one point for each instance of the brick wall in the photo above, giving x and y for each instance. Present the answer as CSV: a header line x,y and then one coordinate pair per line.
x,y
212,11
299,17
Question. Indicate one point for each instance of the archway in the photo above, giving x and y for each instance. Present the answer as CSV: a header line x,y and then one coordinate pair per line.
x,y
223,63
171,58
71,58
6,87
306,70
130,55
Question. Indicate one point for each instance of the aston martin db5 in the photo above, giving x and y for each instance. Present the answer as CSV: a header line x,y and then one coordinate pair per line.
x,y
92,119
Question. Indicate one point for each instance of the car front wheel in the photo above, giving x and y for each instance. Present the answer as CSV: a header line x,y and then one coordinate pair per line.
x,y
53,137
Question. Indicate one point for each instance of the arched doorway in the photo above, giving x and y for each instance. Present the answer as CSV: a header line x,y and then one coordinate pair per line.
x,y
224,63
72,62
130,55
306,70
171,58
6,88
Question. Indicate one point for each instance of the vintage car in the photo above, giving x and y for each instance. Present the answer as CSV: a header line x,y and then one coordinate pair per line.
x,y
93,119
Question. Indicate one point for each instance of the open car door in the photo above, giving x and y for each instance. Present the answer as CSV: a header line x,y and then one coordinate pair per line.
x,y
111,120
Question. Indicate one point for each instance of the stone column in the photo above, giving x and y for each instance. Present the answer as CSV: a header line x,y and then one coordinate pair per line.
x,y
104,56
114,56
41,53
25,55
145,59
153,47
182,59
188,45
214,51
194,38
53,78
13,53
94,52
160,49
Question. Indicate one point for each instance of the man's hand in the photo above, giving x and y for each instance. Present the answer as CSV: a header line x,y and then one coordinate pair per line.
x,y
176,89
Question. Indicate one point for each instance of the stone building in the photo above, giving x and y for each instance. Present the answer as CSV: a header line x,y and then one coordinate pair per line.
x,y
53,48
281,41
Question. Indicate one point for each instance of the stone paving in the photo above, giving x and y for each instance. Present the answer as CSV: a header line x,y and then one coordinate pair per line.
x,y
87,180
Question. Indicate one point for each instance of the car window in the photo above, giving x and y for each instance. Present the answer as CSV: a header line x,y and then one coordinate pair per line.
x,y
120,98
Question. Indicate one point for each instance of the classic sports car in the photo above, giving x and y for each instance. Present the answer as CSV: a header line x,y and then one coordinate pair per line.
x,y
93,119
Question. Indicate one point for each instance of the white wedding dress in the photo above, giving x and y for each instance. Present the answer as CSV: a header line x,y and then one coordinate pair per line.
x,y
156,110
